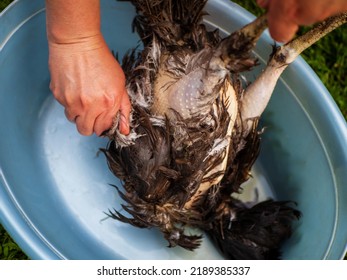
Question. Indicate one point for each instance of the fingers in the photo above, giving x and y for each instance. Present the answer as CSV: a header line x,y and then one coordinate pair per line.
x,y
285,17
98,117
105,119
309,12
99,114
91,87
282,27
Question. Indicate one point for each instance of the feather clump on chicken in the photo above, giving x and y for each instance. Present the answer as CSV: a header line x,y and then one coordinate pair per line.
x,y
194,132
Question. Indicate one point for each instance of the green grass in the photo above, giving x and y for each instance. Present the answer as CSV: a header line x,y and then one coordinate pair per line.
x,y
4,4
9,250
327,58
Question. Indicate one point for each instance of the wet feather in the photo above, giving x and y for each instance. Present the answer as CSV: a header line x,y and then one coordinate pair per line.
x,y
188,150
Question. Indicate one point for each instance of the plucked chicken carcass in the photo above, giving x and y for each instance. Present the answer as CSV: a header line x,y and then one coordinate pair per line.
x,y
194,130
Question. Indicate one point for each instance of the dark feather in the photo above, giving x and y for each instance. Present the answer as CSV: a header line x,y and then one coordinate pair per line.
x,y
253,233
179,166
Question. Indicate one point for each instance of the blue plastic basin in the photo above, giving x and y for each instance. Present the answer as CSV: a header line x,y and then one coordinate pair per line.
x,y
54,187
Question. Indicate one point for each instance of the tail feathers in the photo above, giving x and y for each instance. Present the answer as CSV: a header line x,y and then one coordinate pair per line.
x,y
255,233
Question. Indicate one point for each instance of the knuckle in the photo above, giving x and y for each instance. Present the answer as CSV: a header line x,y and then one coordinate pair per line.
x,y
108,100
69,115
82,126
83,129
103,122
54,89
86,101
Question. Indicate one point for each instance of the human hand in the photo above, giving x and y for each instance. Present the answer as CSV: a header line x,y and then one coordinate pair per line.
x,y
88,81
285,17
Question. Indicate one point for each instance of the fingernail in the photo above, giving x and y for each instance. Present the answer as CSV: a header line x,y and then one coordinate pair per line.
x,y
124,125
280,38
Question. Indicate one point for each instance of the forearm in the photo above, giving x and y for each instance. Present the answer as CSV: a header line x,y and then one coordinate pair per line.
x,y
85,77
72,21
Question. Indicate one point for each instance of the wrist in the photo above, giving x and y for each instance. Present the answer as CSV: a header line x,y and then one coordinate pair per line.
x,y
73,22
77,44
